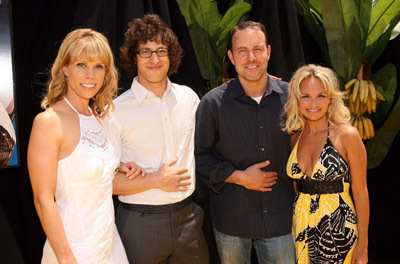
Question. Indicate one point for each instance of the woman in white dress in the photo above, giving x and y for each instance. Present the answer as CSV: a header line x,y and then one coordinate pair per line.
x,y
71,160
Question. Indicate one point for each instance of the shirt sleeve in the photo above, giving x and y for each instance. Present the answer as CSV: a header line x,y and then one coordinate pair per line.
x,y
211,167
114,132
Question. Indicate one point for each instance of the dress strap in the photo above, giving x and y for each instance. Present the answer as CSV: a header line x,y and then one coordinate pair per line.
x,y
328,129
73,108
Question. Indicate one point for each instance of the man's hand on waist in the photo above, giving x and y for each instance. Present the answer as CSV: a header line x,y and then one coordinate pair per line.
x,y
253,178
171,179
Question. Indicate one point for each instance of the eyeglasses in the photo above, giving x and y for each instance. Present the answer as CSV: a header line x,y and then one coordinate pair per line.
x,y
146,53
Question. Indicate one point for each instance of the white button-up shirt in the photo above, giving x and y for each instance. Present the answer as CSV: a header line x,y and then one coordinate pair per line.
x,y
154,130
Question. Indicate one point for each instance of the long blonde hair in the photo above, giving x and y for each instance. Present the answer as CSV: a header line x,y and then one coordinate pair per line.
x,y
338,113
93,45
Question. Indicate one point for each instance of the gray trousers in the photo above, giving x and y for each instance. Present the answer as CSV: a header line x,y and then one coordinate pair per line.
x,y
173,238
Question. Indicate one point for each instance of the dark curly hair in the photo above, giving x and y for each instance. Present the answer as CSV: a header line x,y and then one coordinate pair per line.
x,y
149,28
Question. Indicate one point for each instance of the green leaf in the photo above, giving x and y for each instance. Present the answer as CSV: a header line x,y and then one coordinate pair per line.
x,y
364,15
209,32
202,19
229,21
314,26
378,147
373,51
386,82
316,6
381,16
395,31
343,35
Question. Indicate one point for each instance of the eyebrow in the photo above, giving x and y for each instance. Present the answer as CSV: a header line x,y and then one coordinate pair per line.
x,y
318,94
257,46
158,47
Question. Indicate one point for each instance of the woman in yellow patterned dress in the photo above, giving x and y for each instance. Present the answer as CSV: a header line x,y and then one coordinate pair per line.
x,y
327,155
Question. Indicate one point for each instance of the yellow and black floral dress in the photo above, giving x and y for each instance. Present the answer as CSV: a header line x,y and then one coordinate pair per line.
x,y
324,225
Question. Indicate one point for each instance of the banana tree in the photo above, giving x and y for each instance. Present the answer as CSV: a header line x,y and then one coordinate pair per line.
x,y
209,31
351,35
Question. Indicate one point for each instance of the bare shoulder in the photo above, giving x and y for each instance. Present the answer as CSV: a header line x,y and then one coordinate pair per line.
x,y
58,128
52,119
47,120
293,139
348,139
346,133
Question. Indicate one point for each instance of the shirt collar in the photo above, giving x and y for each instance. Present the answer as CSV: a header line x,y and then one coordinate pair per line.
x,y
237,89
140,92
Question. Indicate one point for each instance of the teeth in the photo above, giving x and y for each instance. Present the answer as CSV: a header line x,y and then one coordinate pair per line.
x,y
88,85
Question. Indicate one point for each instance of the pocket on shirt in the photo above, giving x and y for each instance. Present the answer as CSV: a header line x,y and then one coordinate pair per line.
x,y
185,133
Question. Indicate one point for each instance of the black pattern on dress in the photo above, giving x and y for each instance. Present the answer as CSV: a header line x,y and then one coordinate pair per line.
x,y
331,240
324,225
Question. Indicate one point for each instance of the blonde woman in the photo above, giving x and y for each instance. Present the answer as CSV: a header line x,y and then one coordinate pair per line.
x,y
328,160
71,160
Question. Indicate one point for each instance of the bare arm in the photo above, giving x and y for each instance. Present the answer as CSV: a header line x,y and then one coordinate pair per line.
x,y
357,158
42,165
167,178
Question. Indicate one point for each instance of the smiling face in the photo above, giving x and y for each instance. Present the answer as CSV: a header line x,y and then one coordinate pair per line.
x,y
152,71
314,100
84,77
250,55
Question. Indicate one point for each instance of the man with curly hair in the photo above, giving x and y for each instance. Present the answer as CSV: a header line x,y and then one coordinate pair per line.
x,y
157,220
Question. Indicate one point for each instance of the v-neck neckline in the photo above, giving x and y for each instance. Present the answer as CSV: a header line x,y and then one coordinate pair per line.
x,y
319,157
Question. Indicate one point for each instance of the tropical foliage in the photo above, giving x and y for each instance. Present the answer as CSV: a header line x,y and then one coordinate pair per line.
x,y
352,34
209,31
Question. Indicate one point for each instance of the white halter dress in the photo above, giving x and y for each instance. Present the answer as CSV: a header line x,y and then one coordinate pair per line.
x,y
84,198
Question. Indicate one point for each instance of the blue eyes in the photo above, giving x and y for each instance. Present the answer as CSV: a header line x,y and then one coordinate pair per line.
x,y
83,65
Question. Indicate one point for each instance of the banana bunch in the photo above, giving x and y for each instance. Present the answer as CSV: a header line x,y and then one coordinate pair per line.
x,y
362,97
364,126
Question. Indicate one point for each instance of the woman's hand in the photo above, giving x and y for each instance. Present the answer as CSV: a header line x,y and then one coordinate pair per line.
x,y
360,255
70,259
131,170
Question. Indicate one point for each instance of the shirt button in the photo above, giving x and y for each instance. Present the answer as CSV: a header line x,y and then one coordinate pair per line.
x,y
262,149
265,211
261,127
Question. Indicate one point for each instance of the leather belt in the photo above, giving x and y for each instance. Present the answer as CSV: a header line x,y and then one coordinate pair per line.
x,y
310,186
157,209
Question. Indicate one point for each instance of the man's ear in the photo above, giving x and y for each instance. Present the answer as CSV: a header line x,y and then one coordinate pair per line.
x,y
230,56
269,52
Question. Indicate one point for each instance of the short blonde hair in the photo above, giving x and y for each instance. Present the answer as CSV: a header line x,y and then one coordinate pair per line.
x,y
93,45
337,111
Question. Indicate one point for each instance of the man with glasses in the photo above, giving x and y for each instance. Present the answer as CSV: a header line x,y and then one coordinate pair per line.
x,y
155,119
241,154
